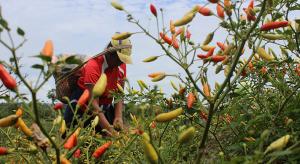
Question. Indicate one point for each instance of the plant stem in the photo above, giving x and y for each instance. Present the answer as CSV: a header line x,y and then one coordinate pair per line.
x,y
285,102
205,134
125,149
161,136
37,119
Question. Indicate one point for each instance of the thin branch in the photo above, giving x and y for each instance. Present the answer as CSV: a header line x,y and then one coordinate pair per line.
x,y
239,52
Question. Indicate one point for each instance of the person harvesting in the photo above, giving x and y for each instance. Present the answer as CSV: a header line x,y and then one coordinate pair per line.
x,y
109,69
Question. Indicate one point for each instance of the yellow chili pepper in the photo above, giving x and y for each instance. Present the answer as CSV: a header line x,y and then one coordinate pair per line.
x,y
187,135
165,117
100,86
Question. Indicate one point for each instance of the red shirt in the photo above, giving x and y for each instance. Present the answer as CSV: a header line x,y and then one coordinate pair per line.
x,y
93,69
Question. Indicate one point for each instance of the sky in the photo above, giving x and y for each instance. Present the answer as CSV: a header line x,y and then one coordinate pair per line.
x,y
86,26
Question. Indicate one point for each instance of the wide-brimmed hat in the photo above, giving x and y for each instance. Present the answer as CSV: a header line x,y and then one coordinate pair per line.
x,y
125,53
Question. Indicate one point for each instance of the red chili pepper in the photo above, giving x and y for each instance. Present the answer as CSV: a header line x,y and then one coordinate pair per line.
x,y
190,100
213,1
250,16
178,32
175,42
101,150
203,115
220,11
209,53
274,25
153,124
202,56
250,66
166,38
218,58
58,106
205,11
227,118
3,150
251,4
77,153
84,98
297,69
71,142
221,45
153,10
171,41
244,73
264,70
181,91
7,79
188,34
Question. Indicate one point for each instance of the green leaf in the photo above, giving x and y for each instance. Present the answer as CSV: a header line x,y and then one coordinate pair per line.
x,y
20,31
44,58
224,24
38,66
280,153
297,7
4,24
73,60
277,16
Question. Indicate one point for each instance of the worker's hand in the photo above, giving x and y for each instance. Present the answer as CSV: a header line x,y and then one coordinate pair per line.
x,y
111,132
118,123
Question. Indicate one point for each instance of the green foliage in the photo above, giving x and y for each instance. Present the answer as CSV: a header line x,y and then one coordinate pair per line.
x,y
237,122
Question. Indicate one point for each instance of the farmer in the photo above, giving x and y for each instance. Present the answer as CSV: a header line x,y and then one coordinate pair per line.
x,y
114,66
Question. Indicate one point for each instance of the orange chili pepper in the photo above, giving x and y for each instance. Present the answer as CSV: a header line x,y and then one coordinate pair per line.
x,y
264,70
204,11
71,142
190,100
155,74
48,48
227,5
101,150
19,112
220,11
206,89
84,98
